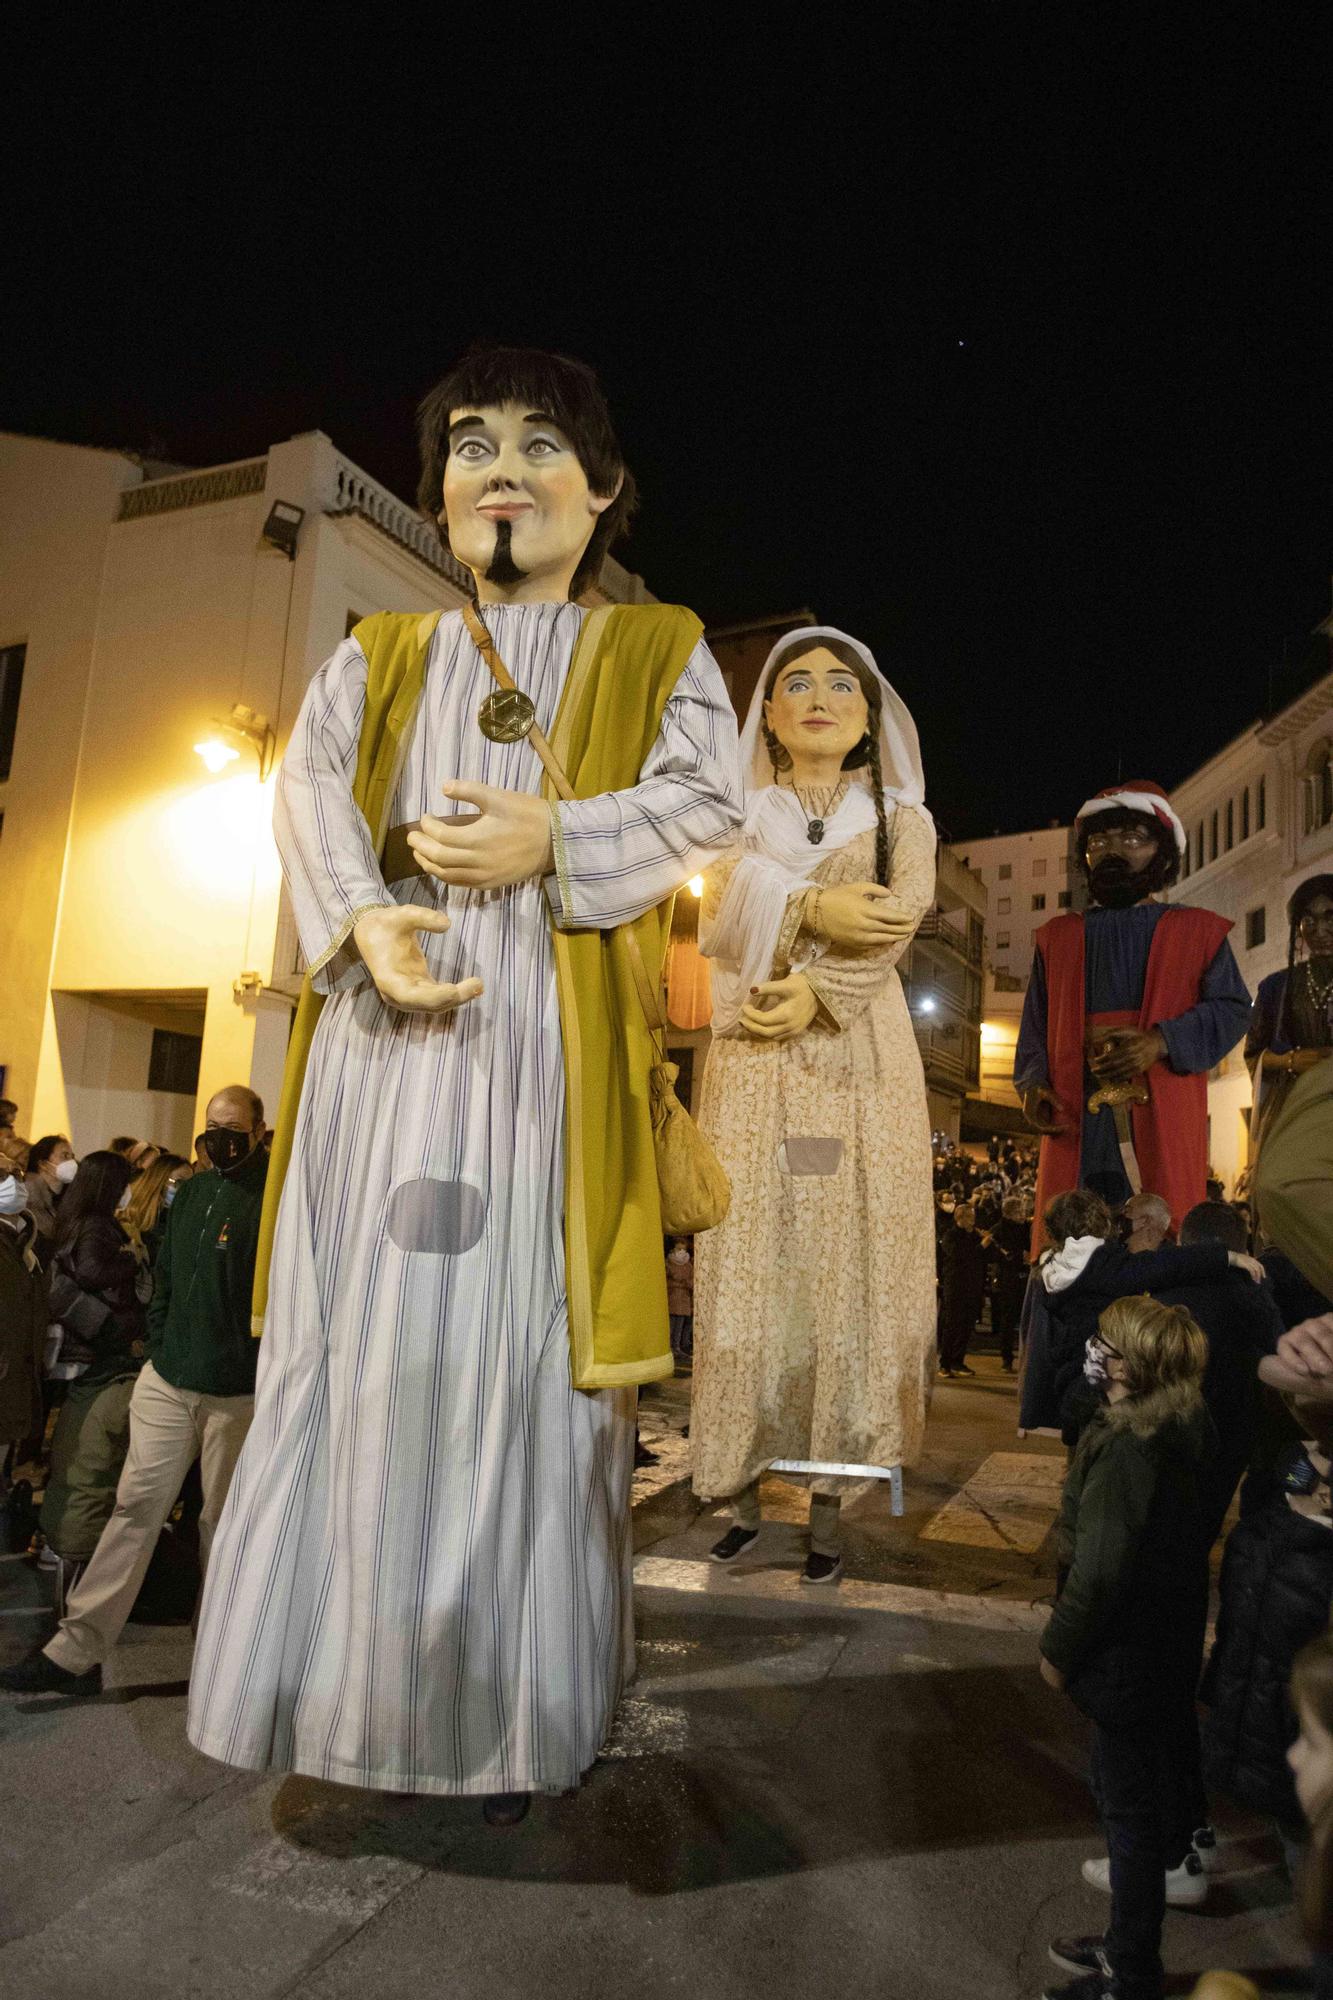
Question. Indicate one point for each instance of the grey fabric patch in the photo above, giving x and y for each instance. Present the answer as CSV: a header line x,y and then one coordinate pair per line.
x,y
810,1156
437,1218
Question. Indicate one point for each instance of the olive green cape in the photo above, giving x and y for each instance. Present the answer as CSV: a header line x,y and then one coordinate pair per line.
x,y
626,663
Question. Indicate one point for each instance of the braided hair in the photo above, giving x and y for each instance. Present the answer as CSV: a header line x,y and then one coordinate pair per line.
x,y
865,754
1300,900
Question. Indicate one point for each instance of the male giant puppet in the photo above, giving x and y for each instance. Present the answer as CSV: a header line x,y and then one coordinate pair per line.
x,y
421,1582
1128,1008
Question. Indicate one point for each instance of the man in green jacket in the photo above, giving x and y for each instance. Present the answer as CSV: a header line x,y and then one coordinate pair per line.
x,y
194,1397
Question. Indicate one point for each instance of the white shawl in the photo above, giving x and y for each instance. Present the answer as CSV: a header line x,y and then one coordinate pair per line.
x,y
777,857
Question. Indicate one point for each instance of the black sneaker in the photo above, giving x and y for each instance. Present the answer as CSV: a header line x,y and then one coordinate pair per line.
x,y
39,1675
946,1374
505,1808
1088,1986
733,1543
963,1369
1079,1954
821,1569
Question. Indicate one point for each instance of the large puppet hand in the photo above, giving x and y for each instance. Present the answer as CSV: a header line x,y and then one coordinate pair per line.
x,y
1043,1109
1130,1054
507,839
387,942
791,1006
859,915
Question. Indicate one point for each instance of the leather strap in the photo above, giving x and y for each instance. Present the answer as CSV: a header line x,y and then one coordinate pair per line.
x,y
648,1000
485,645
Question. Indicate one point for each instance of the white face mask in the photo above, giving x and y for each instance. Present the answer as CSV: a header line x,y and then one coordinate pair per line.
x,y
13,1195
66,1171
169,1194
124,1201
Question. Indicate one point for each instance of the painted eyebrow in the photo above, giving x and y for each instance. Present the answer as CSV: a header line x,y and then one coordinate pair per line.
x,y
478,423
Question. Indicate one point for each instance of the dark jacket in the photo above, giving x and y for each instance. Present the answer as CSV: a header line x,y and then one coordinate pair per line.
x,y
1277,1582
1128,1626
1243,1324
199,1334
962,1268
1110,1273
99,1264
1009,1255
23,1317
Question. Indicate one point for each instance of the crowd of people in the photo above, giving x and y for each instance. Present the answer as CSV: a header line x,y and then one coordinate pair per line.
x,y
129,1364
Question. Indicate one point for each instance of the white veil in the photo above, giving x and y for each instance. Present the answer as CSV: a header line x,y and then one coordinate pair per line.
x,y
777,856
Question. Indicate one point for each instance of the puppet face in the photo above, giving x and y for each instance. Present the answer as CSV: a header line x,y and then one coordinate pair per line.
x,y
817,708
1120,859
1317,926
519,508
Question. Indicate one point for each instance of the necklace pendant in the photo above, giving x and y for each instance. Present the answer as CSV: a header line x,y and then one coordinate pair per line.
x,y
506,716
815,832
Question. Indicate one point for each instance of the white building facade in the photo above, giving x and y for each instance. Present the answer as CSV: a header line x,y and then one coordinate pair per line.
x,y
1259,820
149,957
1259,816
1029,878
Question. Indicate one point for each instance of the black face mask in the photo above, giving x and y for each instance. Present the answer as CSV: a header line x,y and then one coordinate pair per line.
x,y
1116,886
227,1149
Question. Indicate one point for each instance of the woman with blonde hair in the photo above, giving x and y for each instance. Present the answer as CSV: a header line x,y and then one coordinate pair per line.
x,y
1126,1636
144,1216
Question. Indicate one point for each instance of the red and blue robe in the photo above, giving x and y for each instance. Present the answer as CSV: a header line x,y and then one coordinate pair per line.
x,y
1163,966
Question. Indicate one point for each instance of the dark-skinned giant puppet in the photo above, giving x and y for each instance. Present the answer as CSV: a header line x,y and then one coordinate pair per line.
x,y
422,1579
1129,1006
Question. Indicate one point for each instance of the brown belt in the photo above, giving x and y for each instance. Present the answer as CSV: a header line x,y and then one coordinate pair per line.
x,y
398,862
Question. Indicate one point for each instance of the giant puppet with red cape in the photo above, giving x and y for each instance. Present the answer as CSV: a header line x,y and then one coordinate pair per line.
x,y
1129,1006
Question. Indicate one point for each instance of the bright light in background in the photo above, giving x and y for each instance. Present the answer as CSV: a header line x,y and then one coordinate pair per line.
x,y
220,838
927,1006
216,754
696,886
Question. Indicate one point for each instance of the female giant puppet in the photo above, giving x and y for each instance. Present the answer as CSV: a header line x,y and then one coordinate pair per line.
x,y
815,1299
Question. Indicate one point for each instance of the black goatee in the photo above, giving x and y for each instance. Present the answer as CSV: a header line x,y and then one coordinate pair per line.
x,y
502,568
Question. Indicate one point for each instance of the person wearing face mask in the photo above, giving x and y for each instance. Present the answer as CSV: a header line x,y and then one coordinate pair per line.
x,y
1130,1004
193,1398
1126,1635
51,1168
24,1312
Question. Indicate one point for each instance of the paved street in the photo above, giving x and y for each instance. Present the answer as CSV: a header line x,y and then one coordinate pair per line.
x,y
864,1789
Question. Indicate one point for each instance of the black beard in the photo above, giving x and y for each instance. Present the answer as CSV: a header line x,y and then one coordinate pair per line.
x,y
502,568
1116,886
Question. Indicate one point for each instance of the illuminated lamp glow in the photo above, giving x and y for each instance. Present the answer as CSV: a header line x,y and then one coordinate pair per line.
x,y
216,754
927,1006
697,886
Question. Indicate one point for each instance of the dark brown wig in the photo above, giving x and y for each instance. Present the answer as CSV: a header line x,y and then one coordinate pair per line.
x,y
863,755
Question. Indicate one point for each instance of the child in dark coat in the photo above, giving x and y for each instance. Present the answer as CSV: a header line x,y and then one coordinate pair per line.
x,y
1126,1635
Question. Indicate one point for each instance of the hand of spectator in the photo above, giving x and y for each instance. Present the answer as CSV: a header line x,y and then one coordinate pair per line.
x,y
1308,1348
793,1007
859,915
1250,1265
1042,1108
1052,1675
387,942
507,839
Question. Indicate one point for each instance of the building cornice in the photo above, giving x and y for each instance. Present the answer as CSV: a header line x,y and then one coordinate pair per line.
x,y
1293,720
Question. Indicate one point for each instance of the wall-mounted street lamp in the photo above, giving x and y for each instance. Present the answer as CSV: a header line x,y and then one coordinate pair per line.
x,y
223,746
282,527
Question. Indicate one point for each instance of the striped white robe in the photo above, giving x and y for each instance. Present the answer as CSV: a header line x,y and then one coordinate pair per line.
x,y
421,1581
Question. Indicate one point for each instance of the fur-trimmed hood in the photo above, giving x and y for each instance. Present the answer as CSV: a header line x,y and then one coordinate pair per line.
x,y
1145,1416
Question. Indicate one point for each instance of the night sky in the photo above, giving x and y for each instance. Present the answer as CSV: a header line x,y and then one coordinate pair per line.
x,y
1005,342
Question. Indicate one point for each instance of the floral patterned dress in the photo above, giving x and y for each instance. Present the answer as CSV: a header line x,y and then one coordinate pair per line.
x,y
815,1299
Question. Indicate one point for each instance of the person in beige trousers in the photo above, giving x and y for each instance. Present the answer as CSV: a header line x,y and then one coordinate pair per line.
x,y
194,1397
